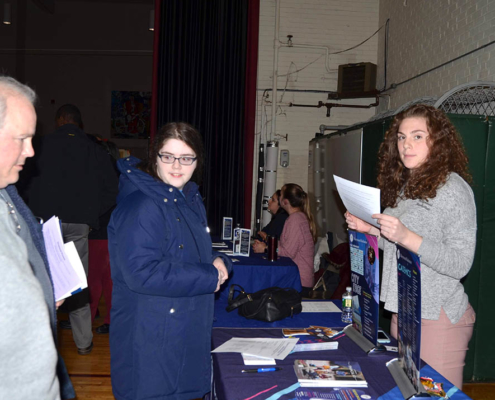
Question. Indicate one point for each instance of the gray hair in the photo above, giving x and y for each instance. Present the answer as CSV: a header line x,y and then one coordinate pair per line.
x,y
10,87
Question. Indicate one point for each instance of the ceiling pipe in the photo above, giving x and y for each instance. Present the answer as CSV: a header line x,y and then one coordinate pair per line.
x,y
309,46
329,106
276,48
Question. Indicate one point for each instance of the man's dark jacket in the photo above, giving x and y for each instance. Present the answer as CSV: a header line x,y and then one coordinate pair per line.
x,y
72,178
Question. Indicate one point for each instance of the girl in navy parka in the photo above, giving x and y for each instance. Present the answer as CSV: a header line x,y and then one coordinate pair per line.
x,y
164,273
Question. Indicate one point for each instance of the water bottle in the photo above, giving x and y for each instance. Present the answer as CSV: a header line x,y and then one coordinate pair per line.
x,y
347,305
237,231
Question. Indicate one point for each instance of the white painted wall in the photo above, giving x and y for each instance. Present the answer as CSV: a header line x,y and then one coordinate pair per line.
x,y
425,34
333,23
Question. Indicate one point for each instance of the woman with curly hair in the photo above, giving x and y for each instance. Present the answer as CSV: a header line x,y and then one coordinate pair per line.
x,y
429,209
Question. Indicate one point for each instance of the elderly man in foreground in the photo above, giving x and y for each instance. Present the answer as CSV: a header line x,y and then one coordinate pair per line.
x,y
30,367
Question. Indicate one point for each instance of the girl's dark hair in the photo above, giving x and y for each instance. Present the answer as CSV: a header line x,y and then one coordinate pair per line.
x,y
185,133
298,198
446,155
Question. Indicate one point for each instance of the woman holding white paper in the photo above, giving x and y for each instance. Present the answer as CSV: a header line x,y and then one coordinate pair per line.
x,y
429,209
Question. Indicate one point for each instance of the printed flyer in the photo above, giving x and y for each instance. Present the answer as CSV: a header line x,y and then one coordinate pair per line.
x,y
336,394
365,283
409,315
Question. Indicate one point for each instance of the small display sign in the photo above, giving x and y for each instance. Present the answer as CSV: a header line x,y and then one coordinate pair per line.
x,y
242,244
228,224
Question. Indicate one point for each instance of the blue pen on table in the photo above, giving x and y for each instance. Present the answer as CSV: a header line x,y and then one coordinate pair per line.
x,y
256,370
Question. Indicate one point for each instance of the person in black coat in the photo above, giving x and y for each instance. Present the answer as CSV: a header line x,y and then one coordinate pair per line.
x,y
74,179
279,216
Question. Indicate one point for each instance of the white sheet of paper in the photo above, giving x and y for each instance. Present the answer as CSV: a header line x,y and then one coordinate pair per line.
x,y
319,306
263,347
65,281
75,260
219,245
249,359
360,200
228,252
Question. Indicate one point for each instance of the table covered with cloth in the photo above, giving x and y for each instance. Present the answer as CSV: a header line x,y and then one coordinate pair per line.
x,y
256,272
232,319
229,383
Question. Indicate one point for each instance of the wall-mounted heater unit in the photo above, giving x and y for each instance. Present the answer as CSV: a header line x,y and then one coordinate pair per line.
x,y
357,78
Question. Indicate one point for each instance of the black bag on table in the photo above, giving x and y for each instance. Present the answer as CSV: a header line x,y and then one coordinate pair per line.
x,y
271,304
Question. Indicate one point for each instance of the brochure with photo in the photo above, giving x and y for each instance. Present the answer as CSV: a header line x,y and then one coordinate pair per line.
x,y
319,373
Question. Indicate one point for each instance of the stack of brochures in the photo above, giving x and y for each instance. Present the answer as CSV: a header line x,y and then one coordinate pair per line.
x,y
313,338
250,359
336,374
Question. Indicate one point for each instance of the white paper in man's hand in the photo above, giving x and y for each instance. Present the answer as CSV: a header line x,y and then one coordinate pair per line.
x,y
65,279
75,261
360,200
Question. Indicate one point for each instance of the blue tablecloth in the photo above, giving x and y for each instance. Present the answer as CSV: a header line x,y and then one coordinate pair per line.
x,y
255,272
302,320
230,384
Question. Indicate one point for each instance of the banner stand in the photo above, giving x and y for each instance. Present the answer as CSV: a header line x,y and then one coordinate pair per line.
x,y
403,382
368,347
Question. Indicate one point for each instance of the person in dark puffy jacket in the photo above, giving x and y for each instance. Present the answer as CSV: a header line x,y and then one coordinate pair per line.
x,y
164,273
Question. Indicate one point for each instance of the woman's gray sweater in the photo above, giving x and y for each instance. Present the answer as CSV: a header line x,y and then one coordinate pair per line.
x,y
447,225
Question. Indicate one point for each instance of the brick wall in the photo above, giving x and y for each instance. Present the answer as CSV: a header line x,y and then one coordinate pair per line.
x,y
425,34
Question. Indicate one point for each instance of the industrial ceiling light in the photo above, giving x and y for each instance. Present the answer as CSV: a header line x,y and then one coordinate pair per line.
x,y
7,19
152,20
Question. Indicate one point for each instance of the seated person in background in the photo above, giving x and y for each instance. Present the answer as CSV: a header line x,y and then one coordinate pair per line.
x,y
299,234
279,215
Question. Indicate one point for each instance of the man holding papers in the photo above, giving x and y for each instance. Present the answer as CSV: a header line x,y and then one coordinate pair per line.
x,y
28,355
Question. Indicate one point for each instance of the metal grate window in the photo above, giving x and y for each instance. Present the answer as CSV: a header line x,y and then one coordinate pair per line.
x,y
476,98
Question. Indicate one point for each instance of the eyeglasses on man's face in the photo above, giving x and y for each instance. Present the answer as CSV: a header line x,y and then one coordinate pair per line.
x,y
170,159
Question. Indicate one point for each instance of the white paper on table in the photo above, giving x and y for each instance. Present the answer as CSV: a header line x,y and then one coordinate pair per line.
x,y
65,280
249,359
263,347
319,306
219,245
360,200
228,252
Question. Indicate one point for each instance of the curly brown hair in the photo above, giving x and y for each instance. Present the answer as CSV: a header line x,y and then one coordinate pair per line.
x,y
446,155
